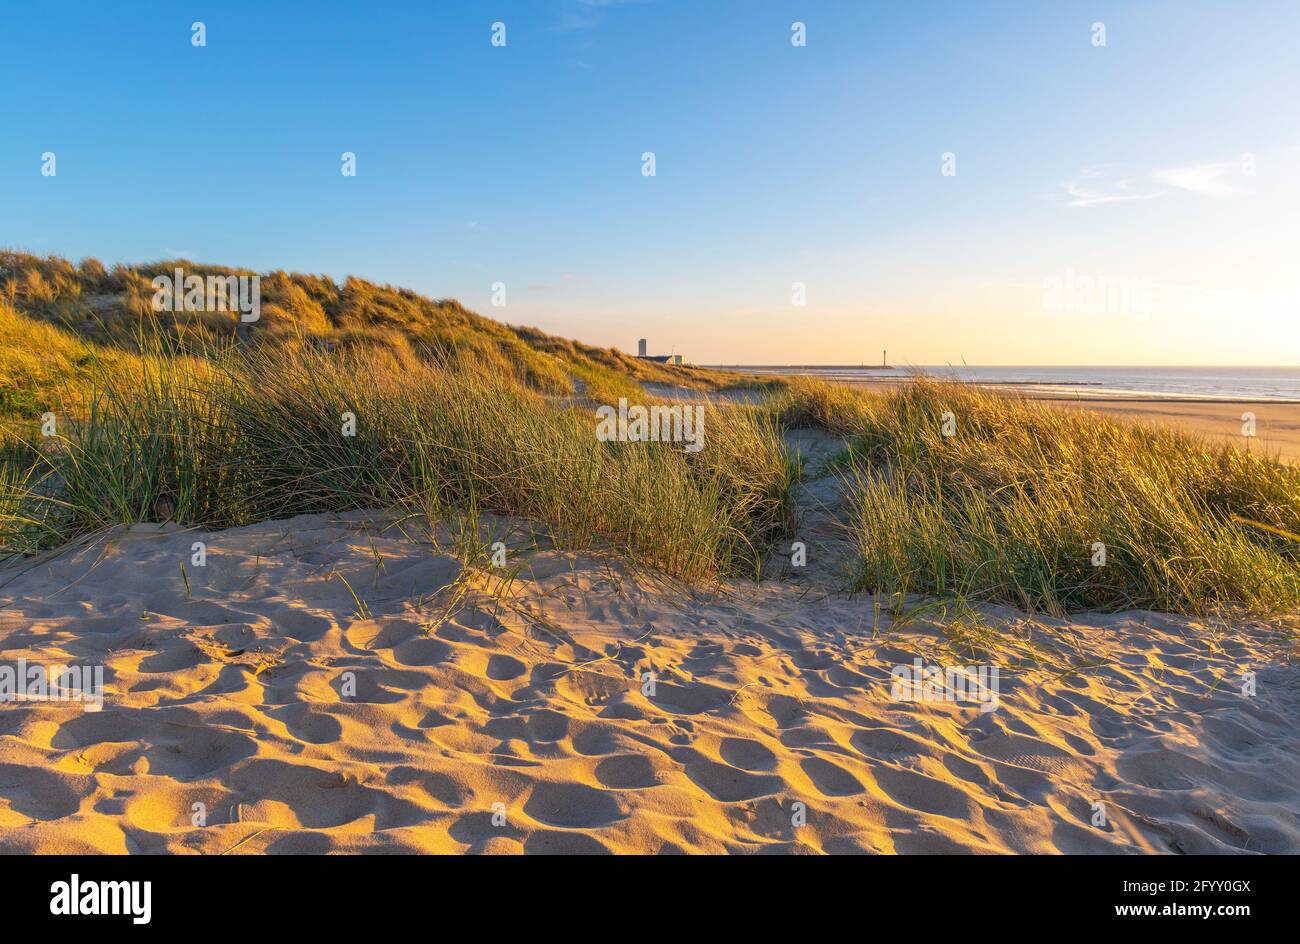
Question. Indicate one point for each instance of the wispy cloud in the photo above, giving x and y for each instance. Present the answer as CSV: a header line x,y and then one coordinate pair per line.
x,y
1100,184
578,15
1209,180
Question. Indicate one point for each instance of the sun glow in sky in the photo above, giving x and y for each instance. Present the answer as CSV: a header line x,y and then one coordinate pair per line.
x,y
1136,202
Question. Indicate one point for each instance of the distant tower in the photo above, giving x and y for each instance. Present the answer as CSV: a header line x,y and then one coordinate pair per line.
x,y
640,348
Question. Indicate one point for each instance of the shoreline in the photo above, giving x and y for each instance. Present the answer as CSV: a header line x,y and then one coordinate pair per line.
x,y
1054,389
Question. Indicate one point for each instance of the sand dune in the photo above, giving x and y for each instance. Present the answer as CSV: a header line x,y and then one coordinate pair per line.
x,y
236,696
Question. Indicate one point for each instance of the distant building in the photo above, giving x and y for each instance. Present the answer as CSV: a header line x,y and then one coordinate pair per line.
x,y
675,359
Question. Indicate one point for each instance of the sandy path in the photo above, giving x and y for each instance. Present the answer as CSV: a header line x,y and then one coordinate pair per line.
x,y
236,698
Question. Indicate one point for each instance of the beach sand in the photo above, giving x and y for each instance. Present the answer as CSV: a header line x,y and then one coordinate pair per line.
x,y
433,712
1277,425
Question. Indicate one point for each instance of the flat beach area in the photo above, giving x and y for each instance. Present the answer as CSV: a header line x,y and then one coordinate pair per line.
x,y
1277,424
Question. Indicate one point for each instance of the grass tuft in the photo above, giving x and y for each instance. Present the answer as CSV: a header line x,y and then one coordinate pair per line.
x,y
237,436
1010,508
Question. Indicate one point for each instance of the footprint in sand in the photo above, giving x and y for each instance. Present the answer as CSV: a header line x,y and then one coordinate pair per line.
x,y
829,779
627,772
729,784
504,668
41,794
553,843
547,725
573,805
919,792
309,723
746,754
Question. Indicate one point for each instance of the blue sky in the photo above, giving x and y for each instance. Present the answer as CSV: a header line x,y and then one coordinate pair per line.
x,y
1122,165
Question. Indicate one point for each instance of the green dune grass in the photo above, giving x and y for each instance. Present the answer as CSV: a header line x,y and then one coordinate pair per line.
x,y
1017,503
171,417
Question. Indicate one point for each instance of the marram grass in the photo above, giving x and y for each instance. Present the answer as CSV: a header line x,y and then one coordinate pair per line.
x,y
1051,510
109,308
1011,508
235,437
